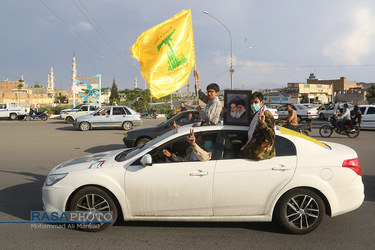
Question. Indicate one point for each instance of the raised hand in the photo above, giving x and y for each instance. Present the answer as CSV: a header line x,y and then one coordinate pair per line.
x,y
167,153
261,117
196,74
199,108
191,138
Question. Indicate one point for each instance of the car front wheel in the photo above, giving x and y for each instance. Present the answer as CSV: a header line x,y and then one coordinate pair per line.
x,y
94,201
300,211
84,126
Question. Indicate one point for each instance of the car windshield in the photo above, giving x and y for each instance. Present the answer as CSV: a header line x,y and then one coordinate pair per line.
x,y
127,154
78,106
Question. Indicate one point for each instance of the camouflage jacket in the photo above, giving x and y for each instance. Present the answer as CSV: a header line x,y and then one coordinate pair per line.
x,y
261,145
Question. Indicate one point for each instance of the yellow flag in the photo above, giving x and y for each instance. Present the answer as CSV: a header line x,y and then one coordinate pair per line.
x,y
166,54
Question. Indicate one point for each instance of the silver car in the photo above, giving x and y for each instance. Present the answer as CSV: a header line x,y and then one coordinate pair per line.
x,y
109,116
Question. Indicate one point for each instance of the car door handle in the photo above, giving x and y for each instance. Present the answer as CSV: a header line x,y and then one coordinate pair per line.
x,y
198,173
281,168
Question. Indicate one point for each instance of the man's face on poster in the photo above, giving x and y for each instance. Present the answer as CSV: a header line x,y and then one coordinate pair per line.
x,y
233,110
240,110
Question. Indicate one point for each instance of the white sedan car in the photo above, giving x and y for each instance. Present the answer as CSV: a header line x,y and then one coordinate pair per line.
x,y
306,181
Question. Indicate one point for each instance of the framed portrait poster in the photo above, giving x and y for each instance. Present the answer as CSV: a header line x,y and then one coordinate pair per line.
x,y
237,103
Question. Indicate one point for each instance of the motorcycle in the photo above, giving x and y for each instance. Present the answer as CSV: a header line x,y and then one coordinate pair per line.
x,y
349,129
154,114
300,128
42,115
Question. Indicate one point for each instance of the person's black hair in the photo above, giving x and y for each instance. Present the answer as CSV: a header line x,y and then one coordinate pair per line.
x,y
213,86
182,102
257,95
288,104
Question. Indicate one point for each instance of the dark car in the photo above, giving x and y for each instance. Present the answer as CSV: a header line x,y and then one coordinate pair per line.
x,y
137,137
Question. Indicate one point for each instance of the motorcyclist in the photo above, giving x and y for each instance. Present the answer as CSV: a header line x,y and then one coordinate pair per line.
x,y
291,122
356,115
343,118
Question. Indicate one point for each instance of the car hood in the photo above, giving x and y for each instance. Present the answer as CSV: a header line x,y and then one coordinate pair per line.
x,y
94,161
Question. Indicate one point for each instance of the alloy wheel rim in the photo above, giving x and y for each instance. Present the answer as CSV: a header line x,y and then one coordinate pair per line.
x,y
92,203
127,125
85,126
302,211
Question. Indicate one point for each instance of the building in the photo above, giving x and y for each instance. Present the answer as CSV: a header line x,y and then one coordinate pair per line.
x,y
338,84
354,95
319,90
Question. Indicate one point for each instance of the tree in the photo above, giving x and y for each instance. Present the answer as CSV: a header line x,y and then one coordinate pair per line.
x,y
372,90
114,93
36,85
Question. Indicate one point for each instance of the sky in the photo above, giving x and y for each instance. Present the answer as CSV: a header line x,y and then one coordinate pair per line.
x,y
274,41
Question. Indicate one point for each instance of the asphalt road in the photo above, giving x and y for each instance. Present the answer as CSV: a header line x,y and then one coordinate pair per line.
x,y
29,150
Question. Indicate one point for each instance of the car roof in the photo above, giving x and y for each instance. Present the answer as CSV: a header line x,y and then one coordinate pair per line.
x,y
281,131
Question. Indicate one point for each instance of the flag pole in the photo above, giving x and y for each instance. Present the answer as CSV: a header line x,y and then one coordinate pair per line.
x,y
196,84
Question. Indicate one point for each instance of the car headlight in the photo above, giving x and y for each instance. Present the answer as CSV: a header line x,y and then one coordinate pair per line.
x,y
53,178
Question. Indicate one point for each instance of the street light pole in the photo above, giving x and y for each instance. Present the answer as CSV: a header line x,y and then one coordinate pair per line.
x,y
231,70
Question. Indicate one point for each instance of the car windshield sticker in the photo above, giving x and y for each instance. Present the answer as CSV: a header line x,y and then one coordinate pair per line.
x,y
286,131
90,158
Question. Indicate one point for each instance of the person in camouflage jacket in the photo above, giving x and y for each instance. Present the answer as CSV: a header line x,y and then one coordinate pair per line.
x,y
260,145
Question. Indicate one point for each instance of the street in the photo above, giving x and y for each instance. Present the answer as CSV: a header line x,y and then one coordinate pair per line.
x,y
29,150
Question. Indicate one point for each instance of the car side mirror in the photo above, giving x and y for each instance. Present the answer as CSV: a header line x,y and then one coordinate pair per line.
x,y
146,160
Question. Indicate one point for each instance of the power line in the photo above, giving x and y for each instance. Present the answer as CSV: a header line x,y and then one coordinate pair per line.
x,y
110,40
79,36
101,32
304,66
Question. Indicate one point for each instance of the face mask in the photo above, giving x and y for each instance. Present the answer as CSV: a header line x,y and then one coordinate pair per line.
x,y
208,145
255,107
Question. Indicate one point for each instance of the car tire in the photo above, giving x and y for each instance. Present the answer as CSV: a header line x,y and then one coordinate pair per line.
x,y
321,116
127,125
92,199
13,116
325,131
69,120
142,141
299,119
84,126
44,118
300,211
